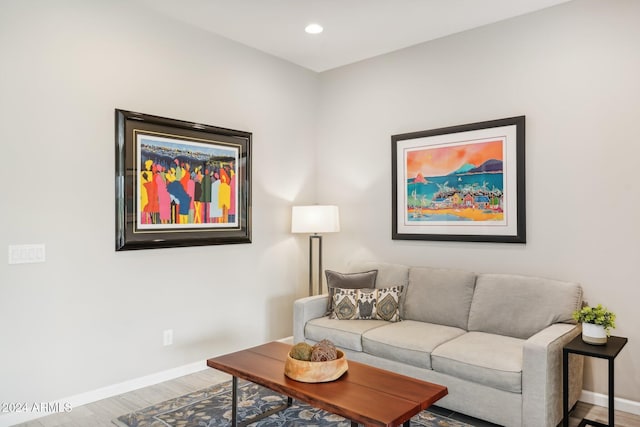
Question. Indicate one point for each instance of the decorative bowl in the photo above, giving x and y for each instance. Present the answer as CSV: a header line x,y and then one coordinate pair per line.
x,y
316,372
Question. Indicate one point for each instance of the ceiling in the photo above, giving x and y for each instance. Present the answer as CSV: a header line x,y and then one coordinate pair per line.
x,y
353,29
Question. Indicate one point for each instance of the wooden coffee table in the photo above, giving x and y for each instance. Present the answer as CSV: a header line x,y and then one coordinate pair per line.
x,y
364,394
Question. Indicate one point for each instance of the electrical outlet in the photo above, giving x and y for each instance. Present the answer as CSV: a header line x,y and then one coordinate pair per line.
x,y
167,337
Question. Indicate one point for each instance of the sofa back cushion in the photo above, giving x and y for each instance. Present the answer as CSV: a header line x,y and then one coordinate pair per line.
x,y
388,274
439,296
521,306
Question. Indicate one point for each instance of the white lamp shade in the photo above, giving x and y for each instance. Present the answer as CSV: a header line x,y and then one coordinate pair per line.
x,y
315,219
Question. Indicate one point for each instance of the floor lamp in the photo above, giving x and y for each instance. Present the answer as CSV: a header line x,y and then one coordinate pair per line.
x,y
314,220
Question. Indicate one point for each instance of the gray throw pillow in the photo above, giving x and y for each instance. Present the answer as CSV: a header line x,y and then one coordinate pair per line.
x,y
365,279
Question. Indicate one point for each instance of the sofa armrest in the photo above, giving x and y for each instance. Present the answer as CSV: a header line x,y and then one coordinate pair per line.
x,y
542,375
305,309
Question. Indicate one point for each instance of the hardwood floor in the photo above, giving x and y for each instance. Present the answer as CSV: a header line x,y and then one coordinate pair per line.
x,y
100,414
601,415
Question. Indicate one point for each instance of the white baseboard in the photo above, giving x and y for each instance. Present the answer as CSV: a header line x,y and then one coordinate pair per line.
x,y
287,340
32,411
599,399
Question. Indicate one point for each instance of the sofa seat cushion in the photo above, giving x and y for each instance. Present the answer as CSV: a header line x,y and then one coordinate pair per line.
x,y
345,334
408,341
492,360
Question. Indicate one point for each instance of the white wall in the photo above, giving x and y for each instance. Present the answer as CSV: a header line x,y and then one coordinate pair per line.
x,y
573,72
89,317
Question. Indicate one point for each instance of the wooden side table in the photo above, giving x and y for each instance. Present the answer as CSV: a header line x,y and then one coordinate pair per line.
x,y
608,351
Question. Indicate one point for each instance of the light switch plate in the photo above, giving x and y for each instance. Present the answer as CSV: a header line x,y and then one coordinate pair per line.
x,y
25,254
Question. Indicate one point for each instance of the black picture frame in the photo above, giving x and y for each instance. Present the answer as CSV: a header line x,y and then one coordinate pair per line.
x,y
436,198
164,165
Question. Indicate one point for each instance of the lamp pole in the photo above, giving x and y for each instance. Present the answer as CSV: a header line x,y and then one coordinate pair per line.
x,y
313,237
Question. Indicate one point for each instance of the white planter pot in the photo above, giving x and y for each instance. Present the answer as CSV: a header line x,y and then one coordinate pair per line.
x,y
594,334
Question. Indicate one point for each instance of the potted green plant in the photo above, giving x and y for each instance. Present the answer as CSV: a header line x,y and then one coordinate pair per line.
x,y
597,323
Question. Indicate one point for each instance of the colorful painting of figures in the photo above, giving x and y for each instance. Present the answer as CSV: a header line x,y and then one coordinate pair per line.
x,y
455,182
185,184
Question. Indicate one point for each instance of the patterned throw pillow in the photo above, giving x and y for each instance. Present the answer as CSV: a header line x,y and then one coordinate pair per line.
x,y
388,304
345,304
364,279
367,303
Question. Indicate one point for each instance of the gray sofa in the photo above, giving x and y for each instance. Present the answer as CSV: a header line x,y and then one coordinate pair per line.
x,y
494,340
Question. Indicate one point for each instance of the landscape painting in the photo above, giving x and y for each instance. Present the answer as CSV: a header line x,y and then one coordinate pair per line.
x,y
456,182
461,183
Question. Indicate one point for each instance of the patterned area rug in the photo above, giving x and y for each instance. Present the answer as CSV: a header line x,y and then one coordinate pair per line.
x,y
211,407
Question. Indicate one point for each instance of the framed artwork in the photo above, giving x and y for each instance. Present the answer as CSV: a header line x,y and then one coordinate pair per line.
x,y
180,183
460,183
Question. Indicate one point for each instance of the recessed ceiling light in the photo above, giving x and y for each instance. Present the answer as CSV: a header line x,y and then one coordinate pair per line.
x,y
314,29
